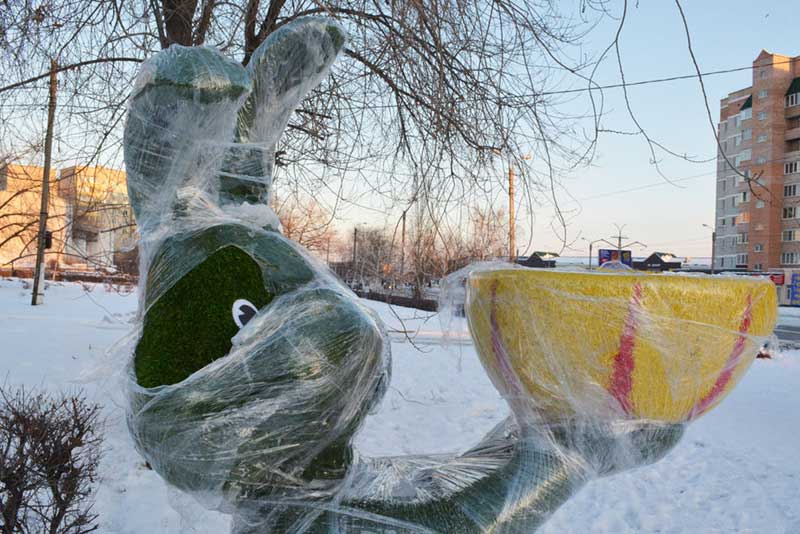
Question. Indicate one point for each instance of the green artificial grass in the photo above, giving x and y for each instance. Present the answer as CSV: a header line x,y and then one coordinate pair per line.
x,y
192,324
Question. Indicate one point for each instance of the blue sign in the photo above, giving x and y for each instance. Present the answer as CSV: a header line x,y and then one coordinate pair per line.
x,y
794,290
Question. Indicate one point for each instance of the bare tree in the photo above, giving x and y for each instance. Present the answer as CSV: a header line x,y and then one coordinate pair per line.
x,y
304,220
375,256
427,95
488,237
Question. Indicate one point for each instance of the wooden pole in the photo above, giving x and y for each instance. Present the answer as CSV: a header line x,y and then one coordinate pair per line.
x,y
403,250
511,236
38,275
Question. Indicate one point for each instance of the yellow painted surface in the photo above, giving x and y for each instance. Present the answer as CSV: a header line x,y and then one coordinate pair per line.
x,y
557,337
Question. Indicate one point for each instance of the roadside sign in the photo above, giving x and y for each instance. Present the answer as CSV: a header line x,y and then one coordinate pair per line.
x,y
794,290
605,255
777,278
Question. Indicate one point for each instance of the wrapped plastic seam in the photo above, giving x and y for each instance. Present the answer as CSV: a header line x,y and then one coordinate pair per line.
x,y
252,367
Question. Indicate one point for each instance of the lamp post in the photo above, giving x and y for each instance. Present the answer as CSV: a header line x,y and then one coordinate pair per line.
x,y
591,244
713,245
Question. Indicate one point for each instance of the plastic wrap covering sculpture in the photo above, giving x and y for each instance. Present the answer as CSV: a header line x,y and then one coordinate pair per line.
x,y
253,367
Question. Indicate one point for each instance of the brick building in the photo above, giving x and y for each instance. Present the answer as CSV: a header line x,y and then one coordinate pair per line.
x,y
758,220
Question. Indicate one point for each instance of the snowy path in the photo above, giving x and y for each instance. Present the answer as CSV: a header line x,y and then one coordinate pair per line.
x,y
737,470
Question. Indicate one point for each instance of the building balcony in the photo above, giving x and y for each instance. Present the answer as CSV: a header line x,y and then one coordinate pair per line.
x,y
89,223
792,134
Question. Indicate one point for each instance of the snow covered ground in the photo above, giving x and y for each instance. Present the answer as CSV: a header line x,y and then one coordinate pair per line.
x,y
736,470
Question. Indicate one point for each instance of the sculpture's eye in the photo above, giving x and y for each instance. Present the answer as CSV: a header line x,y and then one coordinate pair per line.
x,y
243,310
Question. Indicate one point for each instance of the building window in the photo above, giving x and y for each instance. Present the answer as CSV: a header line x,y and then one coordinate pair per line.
x,y
759,227
761,138
757,267
790,190
792,99
762,93
762,115
788,235
790,258
746,114
793,167
743,218
758,247
745,196
741,259
744,155
747,134
737,140
741,239
761,160
759,203
763,73
788,212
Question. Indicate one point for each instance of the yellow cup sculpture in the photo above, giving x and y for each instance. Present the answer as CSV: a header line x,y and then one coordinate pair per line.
x,y
661,347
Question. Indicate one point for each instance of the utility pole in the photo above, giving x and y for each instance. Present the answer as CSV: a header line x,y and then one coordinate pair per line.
x,y
619,237
403,249
38,275
355,245
511,236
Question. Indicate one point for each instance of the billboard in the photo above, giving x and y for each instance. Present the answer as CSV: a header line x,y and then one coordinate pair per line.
x,y
794,290
605,255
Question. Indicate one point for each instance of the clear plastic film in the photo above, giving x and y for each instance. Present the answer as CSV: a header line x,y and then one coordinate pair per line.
x,y
253,367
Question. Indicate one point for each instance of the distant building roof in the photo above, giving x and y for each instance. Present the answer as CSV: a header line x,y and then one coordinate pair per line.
x,y
794,87
546,255
666,256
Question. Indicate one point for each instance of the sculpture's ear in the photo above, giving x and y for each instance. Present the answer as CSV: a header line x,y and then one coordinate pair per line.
x,y
284,68
181,118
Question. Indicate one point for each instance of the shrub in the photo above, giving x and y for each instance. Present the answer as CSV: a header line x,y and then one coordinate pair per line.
x,y
49,452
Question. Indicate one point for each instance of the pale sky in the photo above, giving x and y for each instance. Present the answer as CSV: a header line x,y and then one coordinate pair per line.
x,y
725,34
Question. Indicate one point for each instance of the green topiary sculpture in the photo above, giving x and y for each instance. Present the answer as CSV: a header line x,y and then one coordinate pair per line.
x,y
254,367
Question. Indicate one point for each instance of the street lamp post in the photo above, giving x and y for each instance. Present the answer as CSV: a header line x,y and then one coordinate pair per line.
x,y
591,244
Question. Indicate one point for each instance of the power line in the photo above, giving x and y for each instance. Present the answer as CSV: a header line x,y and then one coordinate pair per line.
x,y
661,80
696,75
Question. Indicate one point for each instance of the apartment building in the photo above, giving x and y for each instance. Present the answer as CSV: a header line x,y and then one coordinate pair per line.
x,y
758,170
20,203
89,216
